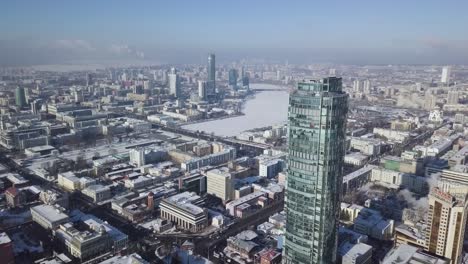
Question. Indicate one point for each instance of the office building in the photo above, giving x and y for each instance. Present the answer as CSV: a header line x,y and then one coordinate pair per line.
x,y
212,71
452,97
446,220
445,78
233,75
174,83
317,128
20,97
245,82
220,183
195,182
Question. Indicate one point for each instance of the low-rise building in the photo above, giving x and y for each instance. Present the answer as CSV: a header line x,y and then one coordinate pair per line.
x,y
185,211
356,159
245,248
138,182
406,254
394,135
270,256
195,182
6,249
86,244
459,158
367,146
70,182
357,179
350,212
48,216
53,197
245,203
91,238
269,166
359,253
15,179
15,197
373,224
413,235
97,192
223,154
133,258
395,179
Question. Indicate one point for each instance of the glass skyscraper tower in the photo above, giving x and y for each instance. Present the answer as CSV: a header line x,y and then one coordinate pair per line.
x,y
317,129
212,71
20,97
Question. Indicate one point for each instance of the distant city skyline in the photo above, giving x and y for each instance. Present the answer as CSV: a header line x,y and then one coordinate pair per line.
x,y
350,32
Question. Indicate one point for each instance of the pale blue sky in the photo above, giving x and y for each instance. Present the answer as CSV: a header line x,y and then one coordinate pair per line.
x,y
347,31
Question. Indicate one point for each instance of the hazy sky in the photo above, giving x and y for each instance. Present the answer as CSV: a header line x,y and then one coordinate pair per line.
x,y
174,31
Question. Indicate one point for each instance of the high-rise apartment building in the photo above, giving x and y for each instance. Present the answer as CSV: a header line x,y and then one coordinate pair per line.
x,y
447,217
357,86
137,157
367,86
202,89
452,97
174,83
430,101
317,128
445,78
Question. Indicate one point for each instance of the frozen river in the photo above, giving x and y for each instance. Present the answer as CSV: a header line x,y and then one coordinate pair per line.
x,y
265,109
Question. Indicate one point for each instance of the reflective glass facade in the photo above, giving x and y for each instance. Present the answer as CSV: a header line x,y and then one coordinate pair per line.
x,y
317,128
211,68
